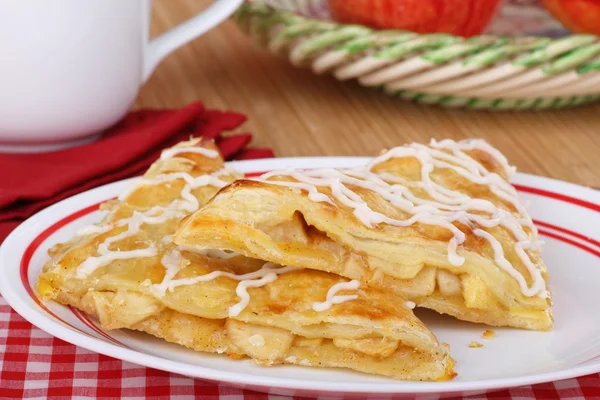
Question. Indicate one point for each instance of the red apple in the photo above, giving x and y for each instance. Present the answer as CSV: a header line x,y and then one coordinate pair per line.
x,y
577,15
458,17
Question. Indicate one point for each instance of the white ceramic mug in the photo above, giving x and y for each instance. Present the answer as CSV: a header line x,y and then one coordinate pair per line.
x,y
71,68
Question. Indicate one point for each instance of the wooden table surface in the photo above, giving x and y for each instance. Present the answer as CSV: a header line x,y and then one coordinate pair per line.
x,y
300,114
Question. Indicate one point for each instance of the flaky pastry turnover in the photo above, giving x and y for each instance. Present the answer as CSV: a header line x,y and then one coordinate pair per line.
x,y
439,224
128,272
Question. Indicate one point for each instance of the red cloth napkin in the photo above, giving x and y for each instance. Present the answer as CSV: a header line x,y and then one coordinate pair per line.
x,y
31,182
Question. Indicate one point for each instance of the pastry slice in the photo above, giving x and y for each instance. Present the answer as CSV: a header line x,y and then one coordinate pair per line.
x,y
128,272
438,224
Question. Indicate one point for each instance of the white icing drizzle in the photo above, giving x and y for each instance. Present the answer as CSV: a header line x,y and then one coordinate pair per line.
x,y
332,298
169,153
133,224
93,263
93,229
189,202
267,274
242,291
313,192
457,148
178,208
410,304
172,263
445,206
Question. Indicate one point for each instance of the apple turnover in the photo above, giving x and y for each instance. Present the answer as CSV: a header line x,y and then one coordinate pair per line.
x,y
439,224
128,272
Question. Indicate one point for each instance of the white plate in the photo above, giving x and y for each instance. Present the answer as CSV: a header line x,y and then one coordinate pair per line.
x,y
569,220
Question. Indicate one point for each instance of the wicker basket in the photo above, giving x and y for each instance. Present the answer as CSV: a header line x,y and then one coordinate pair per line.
x,y
539,67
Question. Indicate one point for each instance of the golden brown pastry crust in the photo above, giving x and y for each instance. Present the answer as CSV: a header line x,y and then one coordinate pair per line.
x,y
376,333
283,225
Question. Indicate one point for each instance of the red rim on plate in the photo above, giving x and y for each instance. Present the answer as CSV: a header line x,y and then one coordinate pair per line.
x,y
568,219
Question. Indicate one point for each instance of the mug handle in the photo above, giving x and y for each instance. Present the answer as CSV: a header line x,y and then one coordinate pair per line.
x,y
163,45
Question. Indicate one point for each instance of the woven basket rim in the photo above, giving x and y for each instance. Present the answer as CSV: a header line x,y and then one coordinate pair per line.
x,y
304,40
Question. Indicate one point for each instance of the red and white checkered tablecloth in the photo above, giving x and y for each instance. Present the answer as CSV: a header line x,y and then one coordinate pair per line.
x,y
35,365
